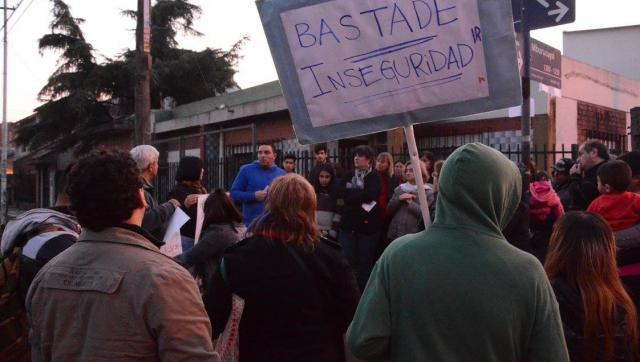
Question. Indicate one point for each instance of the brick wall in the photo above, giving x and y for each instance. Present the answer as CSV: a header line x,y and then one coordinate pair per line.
x,y
237,137
271,129
275,129
601,119
499,124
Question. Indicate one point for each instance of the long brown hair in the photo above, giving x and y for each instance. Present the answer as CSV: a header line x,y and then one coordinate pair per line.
x,y
289,213
219,208
582,251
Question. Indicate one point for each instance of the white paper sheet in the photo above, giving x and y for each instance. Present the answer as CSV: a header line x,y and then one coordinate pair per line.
x,y
172,240
200,216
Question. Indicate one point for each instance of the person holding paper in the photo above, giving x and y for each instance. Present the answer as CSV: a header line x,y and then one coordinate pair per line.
x,y
112,296
188,184
459,291
156,215
252,182
360,224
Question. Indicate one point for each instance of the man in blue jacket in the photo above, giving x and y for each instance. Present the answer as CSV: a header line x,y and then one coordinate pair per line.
x,y
252,182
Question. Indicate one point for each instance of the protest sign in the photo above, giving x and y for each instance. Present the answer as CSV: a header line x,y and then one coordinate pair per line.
x,y
172,241
200,216
351,67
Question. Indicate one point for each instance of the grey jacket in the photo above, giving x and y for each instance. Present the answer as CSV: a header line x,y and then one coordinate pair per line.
x,y
207,252
113,296
156,214
405,216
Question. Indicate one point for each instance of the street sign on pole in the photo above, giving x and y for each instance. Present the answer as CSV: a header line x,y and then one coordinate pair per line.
x,y
545,62
527,16
543,13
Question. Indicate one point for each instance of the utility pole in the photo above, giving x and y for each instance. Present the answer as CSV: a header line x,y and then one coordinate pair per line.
x,y
143,74
526,87
5,128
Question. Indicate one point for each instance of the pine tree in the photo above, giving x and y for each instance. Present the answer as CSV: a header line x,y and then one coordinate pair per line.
x,y
83,96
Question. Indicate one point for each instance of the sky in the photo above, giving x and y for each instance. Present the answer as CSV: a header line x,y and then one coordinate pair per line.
x,y
223,23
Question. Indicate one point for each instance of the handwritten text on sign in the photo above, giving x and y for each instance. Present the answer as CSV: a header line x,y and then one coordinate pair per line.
x,y
362,59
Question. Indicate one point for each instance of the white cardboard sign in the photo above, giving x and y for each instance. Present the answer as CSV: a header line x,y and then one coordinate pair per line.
x,y
200,216
354,67
362,59
172,240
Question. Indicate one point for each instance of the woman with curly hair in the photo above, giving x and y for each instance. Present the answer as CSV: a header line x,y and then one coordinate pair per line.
x,y
599,318
299,291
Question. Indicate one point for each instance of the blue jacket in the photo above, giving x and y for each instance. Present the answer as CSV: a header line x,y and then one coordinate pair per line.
x,y
251,178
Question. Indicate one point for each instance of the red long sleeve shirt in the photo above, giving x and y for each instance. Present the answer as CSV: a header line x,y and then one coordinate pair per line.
x,y
622,211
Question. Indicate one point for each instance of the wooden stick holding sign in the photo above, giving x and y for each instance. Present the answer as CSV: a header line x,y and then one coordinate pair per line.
x,y
415,163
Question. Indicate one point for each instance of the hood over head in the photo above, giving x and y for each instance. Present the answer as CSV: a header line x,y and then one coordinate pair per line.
x,y
478,188
542,191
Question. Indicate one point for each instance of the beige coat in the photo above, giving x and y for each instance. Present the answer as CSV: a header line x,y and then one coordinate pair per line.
x,y
114,297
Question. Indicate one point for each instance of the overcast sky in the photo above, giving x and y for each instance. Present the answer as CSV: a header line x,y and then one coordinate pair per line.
x,y
222,21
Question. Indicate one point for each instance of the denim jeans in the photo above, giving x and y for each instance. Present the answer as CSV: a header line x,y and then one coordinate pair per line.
x,y
360,250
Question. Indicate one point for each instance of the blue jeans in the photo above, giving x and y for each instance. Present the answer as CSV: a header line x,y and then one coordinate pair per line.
x,y
360,250
187,243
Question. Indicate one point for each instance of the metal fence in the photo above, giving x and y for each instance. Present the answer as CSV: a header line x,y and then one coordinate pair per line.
x,y
220,173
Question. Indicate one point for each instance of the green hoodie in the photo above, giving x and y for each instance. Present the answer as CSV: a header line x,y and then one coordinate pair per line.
x,y
459,291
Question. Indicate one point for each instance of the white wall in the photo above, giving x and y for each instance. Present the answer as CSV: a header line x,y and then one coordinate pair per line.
x,y
566,121
174,156
613,49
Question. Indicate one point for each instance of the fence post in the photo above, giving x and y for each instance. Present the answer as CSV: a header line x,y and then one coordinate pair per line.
x,y
574,152
635,128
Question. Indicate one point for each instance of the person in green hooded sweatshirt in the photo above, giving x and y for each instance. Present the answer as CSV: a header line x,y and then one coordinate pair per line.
x,y
459,291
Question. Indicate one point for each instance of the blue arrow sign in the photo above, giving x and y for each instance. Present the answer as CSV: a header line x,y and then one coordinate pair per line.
x,y
544,13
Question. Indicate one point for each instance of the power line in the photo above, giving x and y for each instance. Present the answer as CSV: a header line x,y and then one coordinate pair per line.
x,y
21,14
13,12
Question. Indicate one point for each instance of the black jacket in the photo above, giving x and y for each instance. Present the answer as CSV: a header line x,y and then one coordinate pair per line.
x,y
584,189
354,218
572,314
180,193
629,260
298,303
564,193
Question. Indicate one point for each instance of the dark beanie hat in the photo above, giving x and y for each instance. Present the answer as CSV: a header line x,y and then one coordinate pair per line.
x,y
189,169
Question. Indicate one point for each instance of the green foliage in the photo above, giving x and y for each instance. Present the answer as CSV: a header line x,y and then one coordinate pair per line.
x,y
194,75
82,96
74,101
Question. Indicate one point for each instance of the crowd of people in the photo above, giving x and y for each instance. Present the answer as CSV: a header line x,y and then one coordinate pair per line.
x,y
520,265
